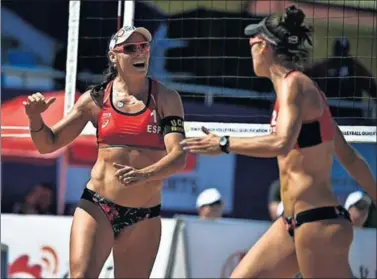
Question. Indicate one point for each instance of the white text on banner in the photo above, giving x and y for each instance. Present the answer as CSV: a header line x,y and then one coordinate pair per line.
x,y
193,129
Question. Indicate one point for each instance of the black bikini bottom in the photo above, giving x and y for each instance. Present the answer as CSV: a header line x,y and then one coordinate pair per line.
x,y
315,214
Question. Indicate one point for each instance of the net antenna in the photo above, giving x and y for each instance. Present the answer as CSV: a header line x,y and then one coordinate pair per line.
x,y
128,13
119,16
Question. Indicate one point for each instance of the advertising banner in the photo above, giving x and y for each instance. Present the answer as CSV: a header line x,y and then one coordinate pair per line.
x,y
38,247
214,248
342,182
180,191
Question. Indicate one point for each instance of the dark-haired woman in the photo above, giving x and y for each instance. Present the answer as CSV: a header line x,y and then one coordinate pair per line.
x,y
139,126
315,233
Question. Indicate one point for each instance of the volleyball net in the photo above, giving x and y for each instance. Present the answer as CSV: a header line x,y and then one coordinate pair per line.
x,y
199,50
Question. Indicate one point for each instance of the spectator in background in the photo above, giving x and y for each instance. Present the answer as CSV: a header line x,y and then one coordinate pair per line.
x,y
357,204
210,204
274,200
38,201
342,76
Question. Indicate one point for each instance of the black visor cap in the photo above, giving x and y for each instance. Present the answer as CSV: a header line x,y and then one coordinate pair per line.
x,y
261,28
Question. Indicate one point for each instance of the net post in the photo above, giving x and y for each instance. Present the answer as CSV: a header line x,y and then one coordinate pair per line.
x,y
72,53
70,93
129,11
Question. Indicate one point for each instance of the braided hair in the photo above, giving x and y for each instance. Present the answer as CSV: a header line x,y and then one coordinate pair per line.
x,y
293,34
97,92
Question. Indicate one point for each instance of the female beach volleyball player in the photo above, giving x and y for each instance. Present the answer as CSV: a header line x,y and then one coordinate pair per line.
x,y
139,126
315,233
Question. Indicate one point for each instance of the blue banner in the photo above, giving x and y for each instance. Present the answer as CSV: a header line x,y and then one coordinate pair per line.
x,y
342,182
181,190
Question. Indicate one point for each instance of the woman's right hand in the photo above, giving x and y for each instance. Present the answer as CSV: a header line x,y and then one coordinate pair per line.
x,y
37,104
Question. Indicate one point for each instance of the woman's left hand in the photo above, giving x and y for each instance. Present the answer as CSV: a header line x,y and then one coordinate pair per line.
x,y
129,176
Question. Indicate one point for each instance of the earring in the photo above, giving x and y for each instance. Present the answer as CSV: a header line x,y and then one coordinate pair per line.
x,y
112,59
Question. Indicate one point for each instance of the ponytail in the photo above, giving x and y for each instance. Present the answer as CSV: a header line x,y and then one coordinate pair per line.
x,y
98,91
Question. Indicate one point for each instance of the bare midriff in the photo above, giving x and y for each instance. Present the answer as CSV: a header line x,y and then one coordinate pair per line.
x,y
104,182
305,178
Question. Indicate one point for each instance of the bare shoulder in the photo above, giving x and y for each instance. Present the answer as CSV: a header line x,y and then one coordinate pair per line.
x,y
293,86
166,93
85,99
85,107
312,100
298,78
169,100
85,102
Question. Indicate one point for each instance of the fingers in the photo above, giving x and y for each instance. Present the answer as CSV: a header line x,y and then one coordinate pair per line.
x,y
123,171
194,148
128,180
38,98
39,95
118,166
50,101
193,144
123,178
190,141
200,147
133,181
205,130
31,99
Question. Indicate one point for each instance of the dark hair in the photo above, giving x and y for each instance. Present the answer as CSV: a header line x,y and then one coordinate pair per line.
x,y
290,29
47,185
97,91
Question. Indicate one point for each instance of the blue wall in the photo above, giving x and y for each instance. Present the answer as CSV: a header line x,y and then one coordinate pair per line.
x,y
342,183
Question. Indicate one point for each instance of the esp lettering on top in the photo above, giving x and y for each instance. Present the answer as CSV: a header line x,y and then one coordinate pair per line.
x,y
153,129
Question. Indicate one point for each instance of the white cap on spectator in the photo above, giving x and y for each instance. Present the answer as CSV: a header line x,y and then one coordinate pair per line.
x,y
355,197
207,197
280,209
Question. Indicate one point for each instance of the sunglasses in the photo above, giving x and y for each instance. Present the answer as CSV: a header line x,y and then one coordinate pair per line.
x,y
219,202
133,47
361,205
254,41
